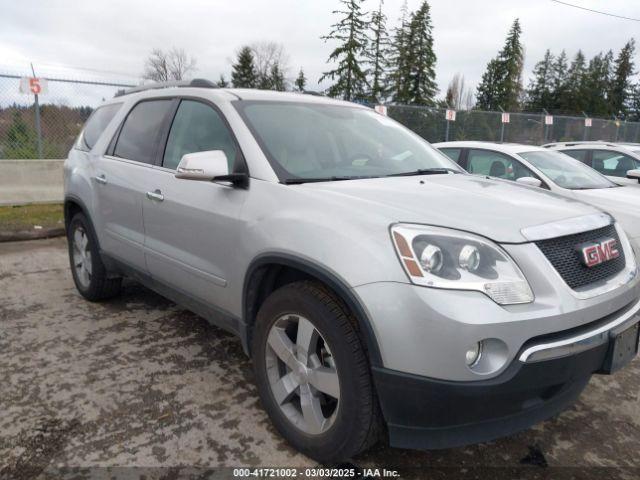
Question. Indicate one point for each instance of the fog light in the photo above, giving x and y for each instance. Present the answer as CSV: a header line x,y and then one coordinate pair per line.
x,y
469,258
431,259
474,354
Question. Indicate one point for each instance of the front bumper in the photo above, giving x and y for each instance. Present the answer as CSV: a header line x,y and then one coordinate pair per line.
x,y
425,413
427,331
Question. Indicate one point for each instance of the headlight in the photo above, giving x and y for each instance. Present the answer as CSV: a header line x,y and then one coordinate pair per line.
x,y
442,258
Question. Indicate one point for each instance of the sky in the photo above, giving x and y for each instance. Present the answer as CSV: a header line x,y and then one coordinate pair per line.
x,y
92,39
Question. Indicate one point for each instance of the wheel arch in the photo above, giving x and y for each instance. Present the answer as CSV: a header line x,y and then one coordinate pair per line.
x,y
73,205
262,278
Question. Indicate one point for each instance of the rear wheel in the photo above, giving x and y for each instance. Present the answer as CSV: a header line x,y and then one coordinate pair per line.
x,y
89,273
312,373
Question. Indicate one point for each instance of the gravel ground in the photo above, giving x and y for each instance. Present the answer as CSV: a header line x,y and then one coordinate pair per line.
x,y
93,390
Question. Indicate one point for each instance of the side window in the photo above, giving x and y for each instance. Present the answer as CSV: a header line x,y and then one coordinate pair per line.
x,y
614,164
495,164
452,153
140,133
577,154
197,128
96,124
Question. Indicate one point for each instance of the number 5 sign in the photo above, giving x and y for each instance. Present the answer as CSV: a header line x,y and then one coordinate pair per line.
x,y
33,85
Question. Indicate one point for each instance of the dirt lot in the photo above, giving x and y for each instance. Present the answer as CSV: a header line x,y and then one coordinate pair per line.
x,y
138,382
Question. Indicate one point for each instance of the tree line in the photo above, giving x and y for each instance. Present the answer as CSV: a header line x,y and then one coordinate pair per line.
x,y
399,67
372,63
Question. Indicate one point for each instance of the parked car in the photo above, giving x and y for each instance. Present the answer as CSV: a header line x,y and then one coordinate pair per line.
x,y
551,170
380,290
618,162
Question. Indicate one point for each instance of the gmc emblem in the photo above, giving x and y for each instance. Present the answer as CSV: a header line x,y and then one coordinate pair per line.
x,y
595,253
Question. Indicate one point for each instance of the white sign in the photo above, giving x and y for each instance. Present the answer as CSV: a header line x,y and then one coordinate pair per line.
x,y
587,122
34,85
381,109
505,117
548,119
450,115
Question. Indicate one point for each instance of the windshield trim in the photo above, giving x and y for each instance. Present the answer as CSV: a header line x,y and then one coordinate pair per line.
x,y
285,177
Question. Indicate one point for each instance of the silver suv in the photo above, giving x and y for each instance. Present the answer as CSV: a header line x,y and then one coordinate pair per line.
x,y
381,291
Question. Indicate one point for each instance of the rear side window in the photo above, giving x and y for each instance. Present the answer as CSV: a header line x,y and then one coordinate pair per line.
x,y
197,128
495,164
614,164
577,154
138,139
452,153
96,124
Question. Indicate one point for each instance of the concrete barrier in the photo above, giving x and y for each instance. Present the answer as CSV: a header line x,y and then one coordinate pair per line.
x,y
30,181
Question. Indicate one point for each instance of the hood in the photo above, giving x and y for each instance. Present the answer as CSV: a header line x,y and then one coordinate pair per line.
x,y
621,202
496,209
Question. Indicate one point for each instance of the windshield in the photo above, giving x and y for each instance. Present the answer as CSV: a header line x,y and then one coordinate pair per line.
x,y
305,141
565,171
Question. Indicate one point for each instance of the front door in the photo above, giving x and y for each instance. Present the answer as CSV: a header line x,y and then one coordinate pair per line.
x,y
192,227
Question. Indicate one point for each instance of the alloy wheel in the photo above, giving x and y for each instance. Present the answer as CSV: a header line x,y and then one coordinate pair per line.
x,y
302,374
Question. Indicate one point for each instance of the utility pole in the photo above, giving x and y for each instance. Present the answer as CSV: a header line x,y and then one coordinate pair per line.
x,y
37,111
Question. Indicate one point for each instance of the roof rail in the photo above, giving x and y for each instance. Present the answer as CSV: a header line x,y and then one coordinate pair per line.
x,y
196,83
577,143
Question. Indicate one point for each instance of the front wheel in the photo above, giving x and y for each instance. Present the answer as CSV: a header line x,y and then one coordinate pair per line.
x,y
89,273
313,375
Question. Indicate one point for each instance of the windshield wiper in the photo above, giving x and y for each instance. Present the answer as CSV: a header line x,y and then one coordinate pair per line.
x,y
335,178
425,171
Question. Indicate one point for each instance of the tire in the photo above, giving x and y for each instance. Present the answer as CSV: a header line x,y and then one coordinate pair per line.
x,y
346,426
89,273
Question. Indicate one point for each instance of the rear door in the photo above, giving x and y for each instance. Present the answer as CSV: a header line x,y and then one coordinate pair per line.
x,y
122,178
192,227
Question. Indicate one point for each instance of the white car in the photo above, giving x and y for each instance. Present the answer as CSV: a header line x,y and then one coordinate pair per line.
x,y
618,161
554,171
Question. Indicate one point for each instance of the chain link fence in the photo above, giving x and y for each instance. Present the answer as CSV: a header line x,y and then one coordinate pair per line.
x,y
528,128
47,126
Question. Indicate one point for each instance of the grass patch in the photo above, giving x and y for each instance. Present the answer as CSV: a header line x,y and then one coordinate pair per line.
x,y
27,217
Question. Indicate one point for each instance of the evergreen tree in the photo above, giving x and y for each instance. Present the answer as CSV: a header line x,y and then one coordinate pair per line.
x,y
378,56
597,83
244,70
20,139
488,92
399,61
634,103
540,91
559,82
621,86
350,31
574,101
276,79
501,84
421,81
301,81
512,60
222,82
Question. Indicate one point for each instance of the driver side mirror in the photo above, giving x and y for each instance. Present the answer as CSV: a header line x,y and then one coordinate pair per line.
x,y
634,174
532,182
209,166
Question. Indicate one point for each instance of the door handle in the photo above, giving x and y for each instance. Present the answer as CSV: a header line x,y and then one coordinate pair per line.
x,y
155,195
101,179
